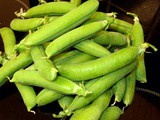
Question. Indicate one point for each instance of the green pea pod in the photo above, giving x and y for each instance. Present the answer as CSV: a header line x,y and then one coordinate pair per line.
x,y
92,48
50,8
79,34
111,113
130,88
47,96
24,25
137,38
65,101
97,88
100,66
28,95
76,2
10,67
119,89
9,41
95,109
60,84
43,64
110,38
63,24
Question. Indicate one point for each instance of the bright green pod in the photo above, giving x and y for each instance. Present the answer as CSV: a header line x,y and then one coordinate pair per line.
x,y
92,48
65,101
76,2
28,95
130,88
50,8
60,84
111,113
110,38
118,90
10,67
9,41
100,66
79,34
44,65
63,24
24,25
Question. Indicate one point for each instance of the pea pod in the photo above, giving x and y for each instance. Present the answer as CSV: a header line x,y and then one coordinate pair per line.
x,y
97,88
9,41
43,64
100,66
111,113
137,38
65,101
24,25
130,88
50,8
63,24
119,89
79,34
95,109
60,84
28,95
92,48
110,38
76,2
8,69
47,96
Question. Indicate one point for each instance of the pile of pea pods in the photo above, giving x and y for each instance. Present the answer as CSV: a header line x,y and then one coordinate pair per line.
x,y
86,60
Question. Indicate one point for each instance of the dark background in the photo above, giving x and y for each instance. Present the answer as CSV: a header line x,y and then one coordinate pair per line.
x,y
146,106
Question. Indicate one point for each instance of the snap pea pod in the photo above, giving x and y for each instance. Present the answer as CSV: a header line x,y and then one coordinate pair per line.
x,y
75,59
92,48
28,95
79,34
100,66
63,24
50,8
47,96
10,67
60,84
137,38
118,90
97,88
110,38
95,109
65,101
130,88
111,113
9,41
44,65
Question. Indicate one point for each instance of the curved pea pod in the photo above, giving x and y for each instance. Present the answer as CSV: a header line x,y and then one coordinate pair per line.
x,y
137,38
10,67
95,109
24,25
75,59
118,90
92,48
100,66
130,88
50,8
9,41
47,96
65,101
110,38
74,36
44,65
97,88
111,113
28,95
63,24
60,84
